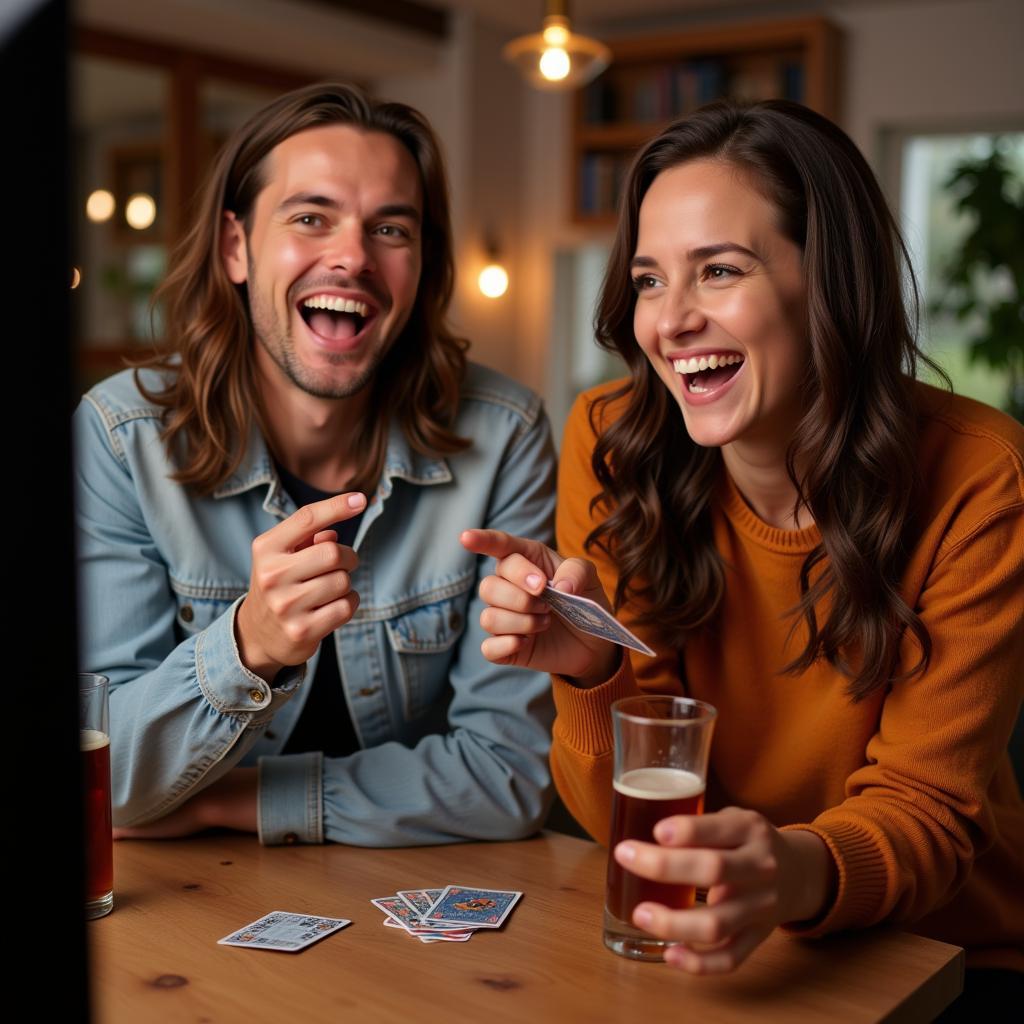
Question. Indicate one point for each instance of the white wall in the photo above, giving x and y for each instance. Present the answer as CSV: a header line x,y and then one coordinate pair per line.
x,y
475,103
939,62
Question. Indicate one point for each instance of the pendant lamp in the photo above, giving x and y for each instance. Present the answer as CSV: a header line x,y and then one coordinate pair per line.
x,y
557,57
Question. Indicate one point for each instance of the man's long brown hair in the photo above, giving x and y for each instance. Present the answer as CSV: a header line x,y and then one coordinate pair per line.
x,y
852,456
211,395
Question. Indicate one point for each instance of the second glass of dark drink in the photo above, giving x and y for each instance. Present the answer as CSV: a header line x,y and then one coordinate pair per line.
x,y
661,759
94,743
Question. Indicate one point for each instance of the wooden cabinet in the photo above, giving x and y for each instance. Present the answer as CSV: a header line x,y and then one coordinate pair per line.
x,y
654,79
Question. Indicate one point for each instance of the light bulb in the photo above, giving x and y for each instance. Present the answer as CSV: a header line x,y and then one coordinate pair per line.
x,y
556,35
140,211
99,206
493,280
556,57
555,64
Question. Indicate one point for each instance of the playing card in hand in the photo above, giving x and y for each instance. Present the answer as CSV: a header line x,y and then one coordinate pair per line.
x,y
589,617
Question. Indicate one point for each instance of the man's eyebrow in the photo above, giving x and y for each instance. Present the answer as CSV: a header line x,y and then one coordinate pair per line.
x,y
315,199
308,199
398,210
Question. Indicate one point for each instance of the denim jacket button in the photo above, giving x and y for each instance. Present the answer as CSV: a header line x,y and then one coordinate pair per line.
x,y
187,615
368,691
455,622
256,696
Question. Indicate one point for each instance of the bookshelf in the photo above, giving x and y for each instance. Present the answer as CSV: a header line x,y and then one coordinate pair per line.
x,y
654,79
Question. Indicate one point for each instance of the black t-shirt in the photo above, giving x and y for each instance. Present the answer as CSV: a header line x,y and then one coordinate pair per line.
x,y
325,723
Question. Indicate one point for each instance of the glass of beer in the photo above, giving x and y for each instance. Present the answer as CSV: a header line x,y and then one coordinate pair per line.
x,y
661,761
94,743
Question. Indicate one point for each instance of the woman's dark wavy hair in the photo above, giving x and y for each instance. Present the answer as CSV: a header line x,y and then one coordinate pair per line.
x,y
852,457
211,394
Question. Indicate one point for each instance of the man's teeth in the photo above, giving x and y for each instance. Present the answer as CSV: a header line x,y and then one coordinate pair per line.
x,y
695,365
337,304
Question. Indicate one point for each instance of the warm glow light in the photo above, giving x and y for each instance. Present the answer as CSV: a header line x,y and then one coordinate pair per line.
x,y
556,35
493,280
557,58
100,206
76,277
555,64
140,211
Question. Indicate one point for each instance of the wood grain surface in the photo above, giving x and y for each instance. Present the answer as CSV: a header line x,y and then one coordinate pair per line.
x,y
156,958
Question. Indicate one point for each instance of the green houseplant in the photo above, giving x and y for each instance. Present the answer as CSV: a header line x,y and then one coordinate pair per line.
x,y
985,279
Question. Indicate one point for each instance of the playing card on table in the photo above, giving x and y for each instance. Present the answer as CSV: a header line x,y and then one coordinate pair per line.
x,y
282,931
589,617
406,917
481,908
421,900
447,936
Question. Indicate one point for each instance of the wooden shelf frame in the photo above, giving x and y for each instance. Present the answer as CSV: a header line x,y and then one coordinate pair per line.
x,y
815,41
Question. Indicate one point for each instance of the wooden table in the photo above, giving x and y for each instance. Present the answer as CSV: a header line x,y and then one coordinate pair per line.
x,y
156,958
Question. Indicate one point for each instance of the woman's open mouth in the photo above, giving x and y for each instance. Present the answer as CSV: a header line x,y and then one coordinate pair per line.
x,y
334,319
706,374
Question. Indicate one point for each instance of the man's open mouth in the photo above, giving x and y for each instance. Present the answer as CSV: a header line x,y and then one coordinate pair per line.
x,y
334,318
707,373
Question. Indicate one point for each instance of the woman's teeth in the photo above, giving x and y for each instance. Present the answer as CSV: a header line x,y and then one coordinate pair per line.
x,y
702,374
695,364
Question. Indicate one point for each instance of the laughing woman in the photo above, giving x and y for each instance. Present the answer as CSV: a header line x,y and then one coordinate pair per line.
x,y
824,548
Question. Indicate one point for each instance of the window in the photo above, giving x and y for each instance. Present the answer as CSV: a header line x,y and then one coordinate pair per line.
x,y
147,120
935,230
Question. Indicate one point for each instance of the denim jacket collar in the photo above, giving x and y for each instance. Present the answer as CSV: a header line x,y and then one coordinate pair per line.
x,y
401,461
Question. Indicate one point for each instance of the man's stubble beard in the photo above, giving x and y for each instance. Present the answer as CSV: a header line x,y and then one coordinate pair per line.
x,y
276,340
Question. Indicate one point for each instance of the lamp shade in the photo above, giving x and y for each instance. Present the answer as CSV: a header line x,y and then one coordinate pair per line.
x,y
556,57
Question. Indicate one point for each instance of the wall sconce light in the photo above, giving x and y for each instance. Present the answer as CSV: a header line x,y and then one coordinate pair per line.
x,y
493,279
140,211
556,57
100,205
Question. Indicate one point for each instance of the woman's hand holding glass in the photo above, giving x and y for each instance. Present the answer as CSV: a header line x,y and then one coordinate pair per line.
x,y
757,878
524,631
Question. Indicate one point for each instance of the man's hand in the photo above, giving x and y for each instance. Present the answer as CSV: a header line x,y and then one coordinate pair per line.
x,y
299,587
230,802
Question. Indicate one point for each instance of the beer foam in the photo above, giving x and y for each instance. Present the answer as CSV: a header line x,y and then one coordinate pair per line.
x,y
659,784
92,739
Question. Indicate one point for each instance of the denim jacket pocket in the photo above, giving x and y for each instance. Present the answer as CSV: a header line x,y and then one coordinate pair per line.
x,y
422,640
196,608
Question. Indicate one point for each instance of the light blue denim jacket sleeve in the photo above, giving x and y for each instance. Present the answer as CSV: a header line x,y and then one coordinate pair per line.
x,y
453,747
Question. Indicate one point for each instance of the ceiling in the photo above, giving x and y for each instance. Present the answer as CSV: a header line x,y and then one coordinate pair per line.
x,y
526,15
364,39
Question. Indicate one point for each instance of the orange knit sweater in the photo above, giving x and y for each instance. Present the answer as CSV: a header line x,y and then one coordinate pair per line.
x,y
911,789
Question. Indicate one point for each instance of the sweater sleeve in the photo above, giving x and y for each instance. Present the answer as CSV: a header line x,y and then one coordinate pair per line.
x,y
581,753
917,814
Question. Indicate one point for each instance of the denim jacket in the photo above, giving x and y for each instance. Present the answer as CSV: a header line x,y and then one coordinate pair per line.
x,y
453,747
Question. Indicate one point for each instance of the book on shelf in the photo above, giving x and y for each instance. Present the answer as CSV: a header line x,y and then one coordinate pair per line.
x,y
656,94
601,179
793,81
